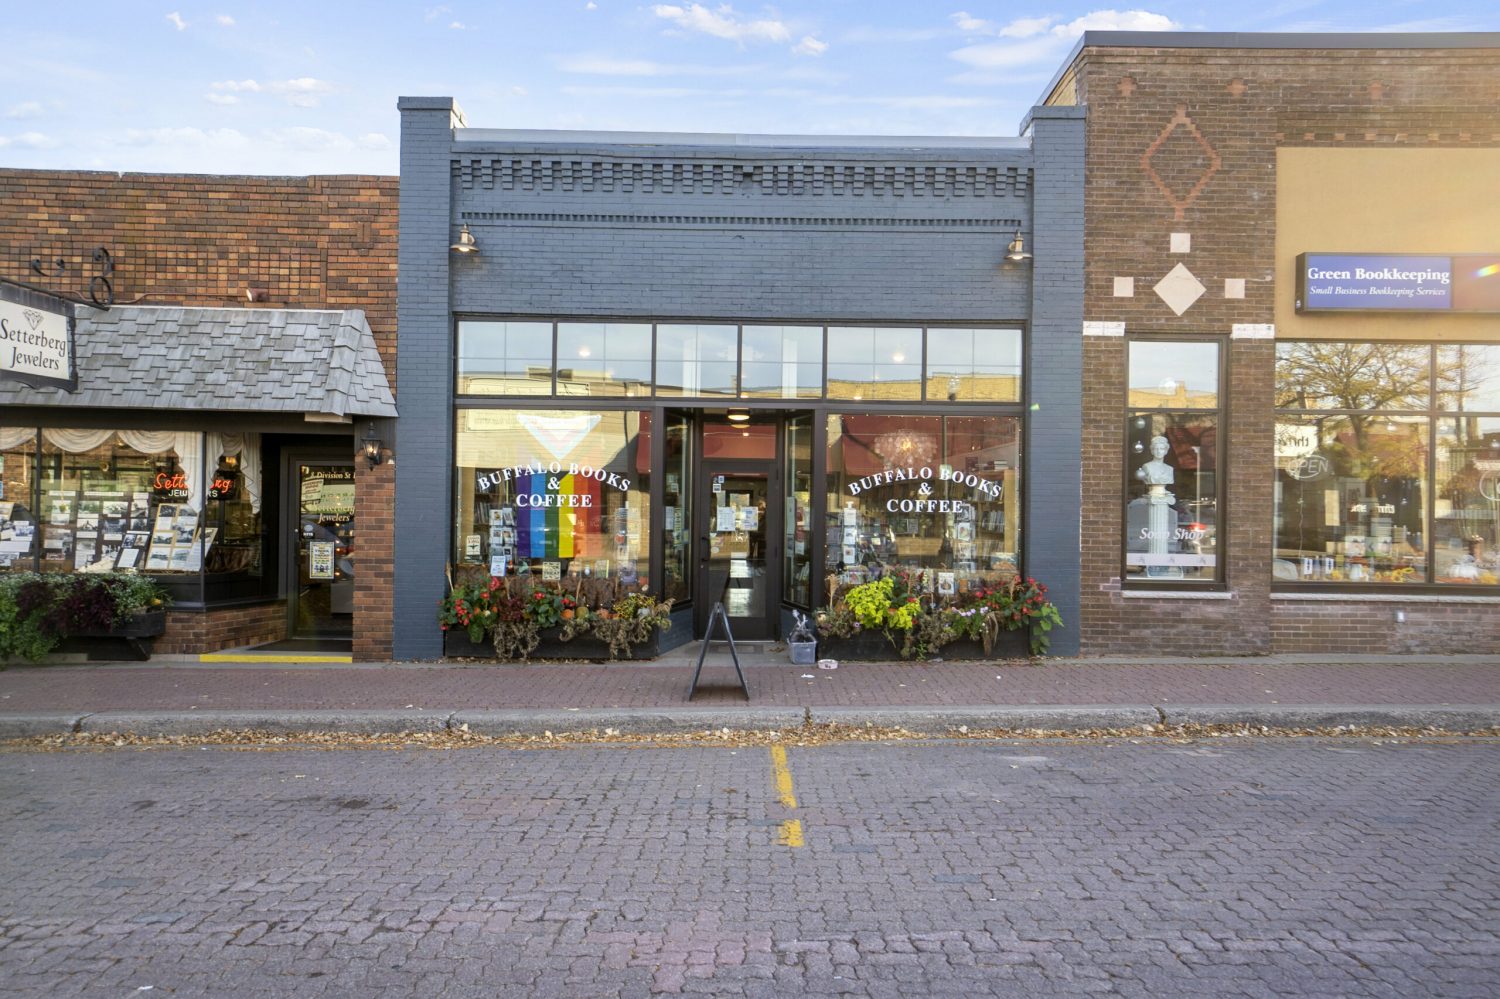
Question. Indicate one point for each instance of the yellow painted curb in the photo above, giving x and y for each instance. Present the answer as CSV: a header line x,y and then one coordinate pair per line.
x,y
256,657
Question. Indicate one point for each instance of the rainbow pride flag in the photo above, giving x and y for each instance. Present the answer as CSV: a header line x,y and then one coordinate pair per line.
x,y
558,531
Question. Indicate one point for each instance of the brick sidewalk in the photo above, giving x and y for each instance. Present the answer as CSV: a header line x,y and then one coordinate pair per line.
x,y
1459,680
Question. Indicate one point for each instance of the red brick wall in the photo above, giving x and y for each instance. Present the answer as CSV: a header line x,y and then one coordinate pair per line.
x,y
1216,118
190,632
177,239
375,557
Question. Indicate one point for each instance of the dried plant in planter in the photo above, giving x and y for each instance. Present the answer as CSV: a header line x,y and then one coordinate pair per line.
x,y
630,622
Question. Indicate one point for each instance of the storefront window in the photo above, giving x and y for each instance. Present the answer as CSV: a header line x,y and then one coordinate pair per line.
x,y
554,493
138,501
504,358
1171,508
929,494
781,362
1469,378
604,359
19,527
874,363
797,524
1466,521
1171,516
967,365
677,509
1350,498
697,360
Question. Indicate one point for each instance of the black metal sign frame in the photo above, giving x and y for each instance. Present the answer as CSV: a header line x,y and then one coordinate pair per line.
x,y
718,616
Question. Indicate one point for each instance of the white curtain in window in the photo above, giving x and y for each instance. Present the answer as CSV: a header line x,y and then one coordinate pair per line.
x,y
76,441
186,444
247,446
16,436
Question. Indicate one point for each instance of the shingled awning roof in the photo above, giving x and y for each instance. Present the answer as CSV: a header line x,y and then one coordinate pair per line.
x,y
245,360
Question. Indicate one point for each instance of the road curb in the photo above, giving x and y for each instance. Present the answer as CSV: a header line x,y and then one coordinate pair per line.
x,y
168,723
31,726
1061,717
628,720
1452,718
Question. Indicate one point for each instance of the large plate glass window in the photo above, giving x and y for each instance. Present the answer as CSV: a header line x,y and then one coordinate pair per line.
x,y
781,362
604,359
874,363
697,360
1171,517
926,494
1387,464
504,358
973,365
554,493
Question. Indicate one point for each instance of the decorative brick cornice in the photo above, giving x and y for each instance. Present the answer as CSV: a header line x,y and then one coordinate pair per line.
x,y
549,173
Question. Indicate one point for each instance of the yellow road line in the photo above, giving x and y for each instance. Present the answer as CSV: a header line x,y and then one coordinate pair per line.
x,y
790,833
253,657
783,777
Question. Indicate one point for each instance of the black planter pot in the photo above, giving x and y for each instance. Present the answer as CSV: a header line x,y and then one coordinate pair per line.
x,y
874,646
456,643
132,638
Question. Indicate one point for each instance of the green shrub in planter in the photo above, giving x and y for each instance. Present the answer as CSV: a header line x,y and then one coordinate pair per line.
x,y
37,611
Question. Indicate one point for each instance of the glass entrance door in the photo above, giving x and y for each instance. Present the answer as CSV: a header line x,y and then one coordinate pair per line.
x,y
740,538
322,594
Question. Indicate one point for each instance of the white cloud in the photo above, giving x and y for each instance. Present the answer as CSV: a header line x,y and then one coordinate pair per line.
x,y
810,46
1026,27
1116,20
222,99
722,23
591,65
591,5
186,138
915,102
458,26
177,21
28,140
1039,40
518,91
970,23
26,109
303,92
433,13
375,140
225,21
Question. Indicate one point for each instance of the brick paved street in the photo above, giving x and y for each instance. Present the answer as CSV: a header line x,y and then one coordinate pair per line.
x,y
1221,868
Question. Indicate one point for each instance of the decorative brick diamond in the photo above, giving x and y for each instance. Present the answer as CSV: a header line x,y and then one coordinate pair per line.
x,y
1180,203
1179,289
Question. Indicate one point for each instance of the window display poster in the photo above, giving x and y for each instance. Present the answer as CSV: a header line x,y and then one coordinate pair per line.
x,y
750,518
725,519
472,545
945,584
551,571
498,565
320,560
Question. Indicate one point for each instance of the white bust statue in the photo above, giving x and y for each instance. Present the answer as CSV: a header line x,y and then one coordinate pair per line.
x,y
1157,472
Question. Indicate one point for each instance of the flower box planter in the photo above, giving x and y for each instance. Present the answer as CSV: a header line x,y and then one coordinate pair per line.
x,y
132,638
874,646
456,643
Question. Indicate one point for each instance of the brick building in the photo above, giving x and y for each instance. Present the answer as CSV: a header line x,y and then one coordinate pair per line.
x,y
1332,491
252,317
1253,283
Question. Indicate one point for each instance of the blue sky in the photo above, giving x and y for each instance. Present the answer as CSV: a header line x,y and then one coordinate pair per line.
x,y
297,88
